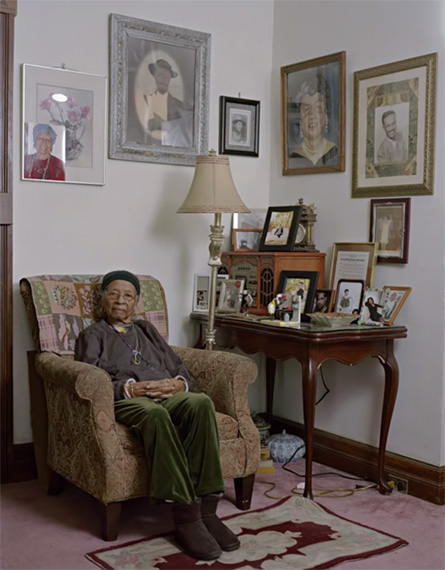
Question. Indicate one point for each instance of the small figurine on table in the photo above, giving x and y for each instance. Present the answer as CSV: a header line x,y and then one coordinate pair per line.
x,y
276,305
246,301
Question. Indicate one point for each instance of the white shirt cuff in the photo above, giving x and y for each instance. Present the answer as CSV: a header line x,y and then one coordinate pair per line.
x,y
125,388
179,377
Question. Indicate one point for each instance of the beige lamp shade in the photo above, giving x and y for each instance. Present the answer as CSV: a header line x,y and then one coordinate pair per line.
x,y
212,189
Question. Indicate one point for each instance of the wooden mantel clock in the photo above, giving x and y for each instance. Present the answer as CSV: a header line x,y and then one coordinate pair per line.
x,y
305,233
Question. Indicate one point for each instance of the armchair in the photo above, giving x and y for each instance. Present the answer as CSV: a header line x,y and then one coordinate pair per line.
x,y
76,436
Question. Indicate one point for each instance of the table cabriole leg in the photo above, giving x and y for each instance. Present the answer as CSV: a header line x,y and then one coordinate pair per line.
x,y
309,375
391,369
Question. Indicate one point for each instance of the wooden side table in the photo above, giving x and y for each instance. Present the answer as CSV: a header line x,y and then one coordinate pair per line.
x,y
312,345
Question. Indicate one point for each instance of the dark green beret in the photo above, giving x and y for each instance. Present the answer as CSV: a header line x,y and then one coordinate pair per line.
x,y
123,276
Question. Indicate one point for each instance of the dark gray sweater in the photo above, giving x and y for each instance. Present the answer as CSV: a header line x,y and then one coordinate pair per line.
x,y
101,345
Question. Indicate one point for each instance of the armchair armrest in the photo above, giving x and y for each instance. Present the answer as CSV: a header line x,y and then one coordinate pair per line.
x,y
224,376
84,380
80,404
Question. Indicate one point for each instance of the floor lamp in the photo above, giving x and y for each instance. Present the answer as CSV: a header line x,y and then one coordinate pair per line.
x,y
213,192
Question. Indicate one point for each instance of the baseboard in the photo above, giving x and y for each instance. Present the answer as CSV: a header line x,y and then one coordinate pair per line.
x,y
425,481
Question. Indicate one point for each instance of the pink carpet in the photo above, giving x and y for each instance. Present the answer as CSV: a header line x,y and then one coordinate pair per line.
x,y
40,532
294,534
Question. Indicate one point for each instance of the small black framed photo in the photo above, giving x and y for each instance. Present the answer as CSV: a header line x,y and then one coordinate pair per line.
x,y
280,228
239,126
348,299
323,301
298,283
389,226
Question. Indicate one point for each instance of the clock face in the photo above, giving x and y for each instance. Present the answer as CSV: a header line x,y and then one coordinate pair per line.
x,y
301,234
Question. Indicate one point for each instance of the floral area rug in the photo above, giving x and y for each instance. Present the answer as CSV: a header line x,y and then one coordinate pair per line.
x,y
294,533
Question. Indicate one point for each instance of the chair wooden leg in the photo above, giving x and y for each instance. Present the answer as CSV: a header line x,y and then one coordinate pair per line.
x,y
243,491
109,517
55,483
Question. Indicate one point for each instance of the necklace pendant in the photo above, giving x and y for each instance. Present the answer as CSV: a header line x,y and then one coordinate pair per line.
x,y
137,357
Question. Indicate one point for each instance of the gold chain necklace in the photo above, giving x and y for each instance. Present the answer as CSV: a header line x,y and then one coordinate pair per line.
x,y
136,355
38,169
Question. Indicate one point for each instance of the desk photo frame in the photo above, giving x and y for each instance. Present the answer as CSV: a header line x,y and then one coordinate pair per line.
x,y
302,283
353,260
280,228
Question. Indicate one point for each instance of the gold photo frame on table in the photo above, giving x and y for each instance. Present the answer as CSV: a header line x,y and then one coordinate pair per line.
x,y
394,128
353,260
393,298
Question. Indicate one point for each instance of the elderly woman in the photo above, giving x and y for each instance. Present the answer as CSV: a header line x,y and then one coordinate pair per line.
x,y
154,396
43,165
314,102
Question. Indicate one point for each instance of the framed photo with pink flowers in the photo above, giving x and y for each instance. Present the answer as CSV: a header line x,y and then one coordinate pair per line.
x,y
63,126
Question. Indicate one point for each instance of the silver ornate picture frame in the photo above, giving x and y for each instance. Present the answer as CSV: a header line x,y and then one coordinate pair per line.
x,y
159,92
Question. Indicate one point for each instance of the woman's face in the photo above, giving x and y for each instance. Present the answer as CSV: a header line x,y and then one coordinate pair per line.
x,y
44,146
313,116
119,302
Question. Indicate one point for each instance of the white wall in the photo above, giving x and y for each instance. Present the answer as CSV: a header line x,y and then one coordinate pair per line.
x,y
372,33
131,222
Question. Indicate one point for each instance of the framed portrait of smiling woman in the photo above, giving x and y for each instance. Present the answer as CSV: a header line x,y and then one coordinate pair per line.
x,y
313,115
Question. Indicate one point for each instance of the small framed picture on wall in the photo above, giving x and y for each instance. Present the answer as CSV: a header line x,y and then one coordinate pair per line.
x,y
239,126
389,226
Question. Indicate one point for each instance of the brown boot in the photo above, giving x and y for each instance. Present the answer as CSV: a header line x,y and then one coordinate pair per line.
x,y
224,536
192,534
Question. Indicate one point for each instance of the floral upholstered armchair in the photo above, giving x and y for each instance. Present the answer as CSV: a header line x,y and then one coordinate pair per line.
x,y
76,436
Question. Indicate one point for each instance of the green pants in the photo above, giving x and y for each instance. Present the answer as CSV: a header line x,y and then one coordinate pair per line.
x,y
181,443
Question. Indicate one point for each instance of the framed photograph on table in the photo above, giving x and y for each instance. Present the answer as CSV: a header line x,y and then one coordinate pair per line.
x,y
349,296
323,301
63,129
239,126
373,307
393,298
280,228
201,293
230,296
301,283
353,261
313,115
159,92
389,226
246,240
394,128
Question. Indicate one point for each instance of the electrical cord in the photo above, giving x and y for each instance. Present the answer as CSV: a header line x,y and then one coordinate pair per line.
x,y
325,387
321,492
